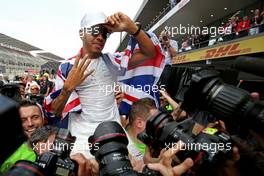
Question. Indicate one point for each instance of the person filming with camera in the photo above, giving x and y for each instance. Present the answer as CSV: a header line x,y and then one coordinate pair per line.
x,y
170,48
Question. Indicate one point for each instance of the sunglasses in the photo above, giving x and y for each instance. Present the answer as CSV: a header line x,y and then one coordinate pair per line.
x,y
99,29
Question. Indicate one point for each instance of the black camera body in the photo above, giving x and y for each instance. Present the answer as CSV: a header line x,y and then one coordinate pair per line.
x,y
55,165
57,161
11,90
36,98
112,154
226,102
163,132
14,138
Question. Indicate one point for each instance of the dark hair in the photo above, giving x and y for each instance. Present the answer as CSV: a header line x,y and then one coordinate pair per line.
x,y
42,134
21,84
26,103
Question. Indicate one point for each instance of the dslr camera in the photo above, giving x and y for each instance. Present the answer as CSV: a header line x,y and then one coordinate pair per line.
x,y
163,132
36,98
112,154
11,90
226,102
53,163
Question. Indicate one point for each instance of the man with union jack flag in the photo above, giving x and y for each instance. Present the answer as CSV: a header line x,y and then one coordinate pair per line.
x,y
84,88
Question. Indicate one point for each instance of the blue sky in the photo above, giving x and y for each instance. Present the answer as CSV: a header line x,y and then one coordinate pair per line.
x,y
53,25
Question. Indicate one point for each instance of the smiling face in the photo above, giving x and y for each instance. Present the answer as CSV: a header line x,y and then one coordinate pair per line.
x,y
34,90
31,118
94,40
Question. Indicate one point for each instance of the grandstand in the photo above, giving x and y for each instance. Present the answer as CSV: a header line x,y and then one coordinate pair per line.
x,y
155,15
18,57
212,52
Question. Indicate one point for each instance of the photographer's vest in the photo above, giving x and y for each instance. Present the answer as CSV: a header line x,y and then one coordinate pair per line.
x,y
24,152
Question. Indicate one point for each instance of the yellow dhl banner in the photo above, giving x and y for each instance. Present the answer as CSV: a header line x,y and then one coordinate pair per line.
x,y
249,46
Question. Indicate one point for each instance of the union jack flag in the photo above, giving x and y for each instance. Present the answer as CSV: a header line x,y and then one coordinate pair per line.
x,y
134,80
141,81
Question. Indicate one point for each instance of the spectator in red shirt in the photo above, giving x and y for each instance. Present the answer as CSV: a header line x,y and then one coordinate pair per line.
x,y
233,23
230,29
243,27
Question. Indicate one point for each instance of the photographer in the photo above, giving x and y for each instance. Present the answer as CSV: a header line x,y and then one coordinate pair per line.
x,y
45,85
22,90
140,112
29,82
242,113
32,117
34,94
111,153
170,48
46,142
13,91
42,140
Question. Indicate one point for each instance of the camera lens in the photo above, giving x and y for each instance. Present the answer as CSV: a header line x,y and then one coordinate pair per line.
x,y
112,154
25,168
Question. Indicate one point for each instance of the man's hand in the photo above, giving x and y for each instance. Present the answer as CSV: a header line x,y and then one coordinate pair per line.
x,y
78,73
164,166
120,22
75,77
178,113
119,95
165,39
164,93
86,167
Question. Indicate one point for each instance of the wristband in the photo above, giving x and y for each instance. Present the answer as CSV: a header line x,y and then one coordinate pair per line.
x,y
138,30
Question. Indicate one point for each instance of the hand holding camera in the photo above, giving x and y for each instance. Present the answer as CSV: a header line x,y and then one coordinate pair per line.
x,y
164,39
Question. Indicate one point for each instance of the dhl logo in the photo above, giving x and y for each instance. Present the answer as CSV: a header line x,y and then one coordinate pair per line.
x,y
179,59
229,50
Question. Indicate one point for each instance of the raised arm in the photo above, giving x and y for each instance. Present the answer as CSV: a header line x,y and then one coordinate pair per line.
x,y
120,22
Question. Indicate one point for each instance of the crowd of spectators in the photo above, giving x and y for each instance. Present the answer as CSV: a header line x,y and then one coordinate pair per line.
x,y
31,87
238,25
